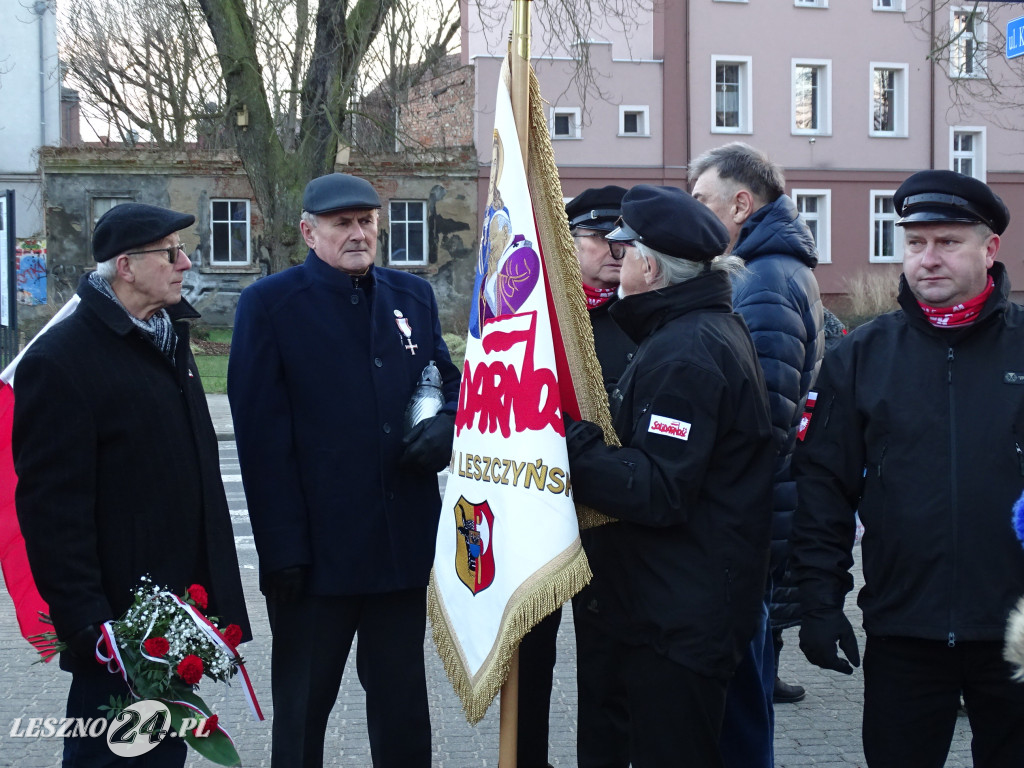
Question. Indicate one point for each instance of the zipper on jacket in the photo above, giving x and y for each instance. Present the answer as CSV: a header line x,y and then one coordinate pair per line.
x,y
631,465
1020,458
952,493
881,459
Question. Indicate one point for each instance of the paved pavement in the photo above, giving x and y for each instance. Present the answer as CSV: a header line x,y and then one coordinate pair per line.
x,y
823,730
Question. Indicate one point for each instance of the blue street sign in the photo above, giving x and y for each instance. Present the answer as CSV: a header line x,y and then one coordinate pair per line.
x,y
1015,38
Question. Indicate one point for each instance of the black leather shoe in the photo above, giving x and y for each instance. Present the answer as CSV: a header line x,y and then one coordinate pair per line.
x,y
786,693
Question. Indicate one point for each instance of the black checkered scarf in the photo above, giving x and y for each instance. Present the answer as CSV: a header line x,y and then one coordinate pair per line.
x,y
158,329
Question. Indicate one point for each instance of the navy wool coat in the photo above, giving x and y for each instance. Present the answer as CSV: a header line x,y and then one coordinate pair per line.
x,y
118,470
320,373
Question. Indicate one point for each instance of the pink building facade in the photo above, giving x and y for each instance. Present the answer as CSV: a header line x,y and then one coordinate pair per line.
x,y
842,95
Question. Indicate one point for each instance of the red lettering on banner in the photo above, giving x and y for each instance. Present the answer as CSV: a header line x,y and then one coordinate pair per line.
x,y
497,392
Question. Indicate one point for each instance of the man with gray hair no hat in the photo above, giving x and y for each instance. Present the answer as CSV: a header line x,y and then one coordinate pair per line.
x,y
117,460
690,486
918,427
343,500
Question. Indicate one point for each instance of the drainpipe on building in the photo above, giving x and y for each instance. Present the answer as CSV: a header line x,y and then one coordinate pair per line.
x,y
40,10
931,92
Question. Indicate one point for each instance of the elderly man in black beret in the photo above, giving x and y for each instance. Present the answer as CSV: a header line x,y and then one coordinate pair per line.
x,y
919,426
118,470
681,574
344,505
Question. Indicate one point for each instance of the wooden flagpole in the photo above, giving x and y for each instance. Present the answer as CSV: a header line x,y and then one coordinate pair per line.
x,y
519,69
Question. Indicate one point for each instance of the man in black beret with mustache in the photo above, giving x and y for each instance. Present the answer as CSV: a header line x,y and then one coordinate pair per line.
x,y
117,462
918,424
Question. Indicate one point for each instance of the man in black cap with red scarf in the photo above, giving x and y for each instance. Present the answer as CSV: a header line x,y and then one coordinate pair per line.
x,y
919,426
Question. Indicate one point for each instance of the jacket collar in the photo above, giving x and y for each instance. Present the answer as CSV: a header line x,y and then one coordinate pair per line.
x,y
643,313
776,229
335,278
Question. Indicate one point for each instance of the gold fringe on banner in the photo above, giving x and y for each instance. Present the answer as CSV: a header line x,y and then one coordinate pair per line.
x,y
543,593
562,270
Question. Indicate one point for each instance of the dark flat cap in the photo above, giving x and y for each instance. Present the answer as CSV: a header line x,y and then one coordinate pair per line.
x,y
339,192
949,196
130,225
596,208
669,220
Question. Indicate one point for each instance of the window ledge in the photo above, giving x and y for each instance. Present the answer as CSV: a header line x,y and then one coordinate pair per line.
x,y
225,269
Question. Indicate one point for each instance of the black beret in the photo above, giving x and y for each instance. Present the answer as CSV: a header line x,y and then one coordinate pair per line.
x,y
339,192
949,196
670,221
596,208
130,225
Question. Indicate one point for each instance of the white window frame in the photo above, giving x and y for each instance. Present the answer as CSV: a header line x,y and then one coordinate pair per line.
x,y
214,222
731,1
823,240
980,37
824,67
889,6
810,3
643,119
901,99
979,153
392,222
876,219
746,94
575,115
112,199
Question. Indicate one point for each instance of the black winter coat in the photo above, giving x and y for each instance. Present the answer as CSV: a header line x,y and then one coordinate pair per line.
x,y
319,377
613,347
779,300
921,429
118,470
684,569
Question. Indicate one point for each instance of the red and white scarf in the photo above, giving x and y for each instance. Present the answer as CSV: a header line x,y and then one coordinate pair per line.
x,y
961,314
597,296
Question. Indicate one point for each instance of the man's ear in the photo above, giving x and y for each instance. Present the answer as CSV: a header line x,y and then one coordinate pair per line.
x,y
651,271
124,268
307,233
743,206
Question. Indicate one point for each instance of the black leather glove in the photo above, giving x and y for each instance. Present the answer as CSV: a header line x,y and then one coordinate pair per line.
x,y
288,584
82,644
820,630
428,446
580,435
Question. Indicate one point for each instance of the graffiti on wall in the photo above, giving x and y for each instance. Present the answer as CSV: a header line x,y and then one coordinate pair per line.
x,y
30,265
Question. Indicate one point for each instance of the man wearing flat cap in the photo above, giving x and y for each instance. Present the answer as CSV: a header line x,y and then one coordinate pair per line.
x,y
117,463
919,426
682,572
592,215
344,505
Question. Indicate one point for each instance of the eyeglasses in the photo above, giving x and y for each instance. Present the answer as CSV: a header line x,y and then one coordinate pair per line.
x,y
618,248
171,251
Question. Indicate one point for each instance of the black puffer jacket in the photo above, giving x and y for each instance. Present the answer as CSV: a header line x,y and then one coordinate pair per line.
x,y
779,300
921,429
684,570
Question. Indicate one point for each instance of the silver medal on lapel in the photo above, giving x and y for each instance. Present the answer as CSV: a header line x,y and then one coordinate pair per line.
x,y
406,330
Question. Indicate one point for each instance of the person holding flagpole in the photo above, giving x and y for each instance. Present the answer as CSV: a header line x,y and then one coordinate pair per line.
x,y
592,215
682,572
343,499
117,463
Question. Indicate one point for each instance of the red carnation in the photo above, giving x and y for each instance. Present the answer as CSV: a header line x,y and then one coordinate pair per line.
x,y
190,669
199,596
157,646
232,635
208,726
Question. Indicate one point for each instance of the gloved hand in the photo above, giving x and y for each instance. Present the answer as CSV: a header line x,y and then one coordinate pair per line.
x,y
580,435
820,630
288,584
428,446
82,643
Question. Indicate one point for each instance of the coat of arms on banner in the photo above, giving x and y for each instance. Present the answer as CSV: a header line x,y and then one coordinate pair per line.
x,y
474,559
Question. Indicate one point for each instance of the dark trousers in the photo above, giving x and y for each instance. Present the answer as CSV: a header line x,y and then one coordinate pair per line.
x,y
674,714
748,729
312,639
603,717
912,694
91,687
536,670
